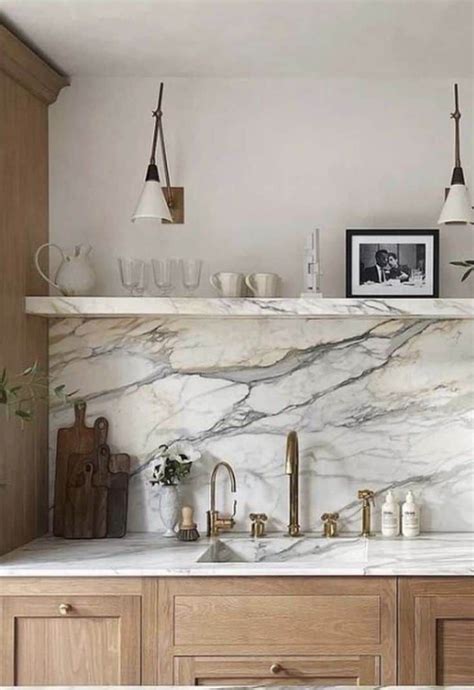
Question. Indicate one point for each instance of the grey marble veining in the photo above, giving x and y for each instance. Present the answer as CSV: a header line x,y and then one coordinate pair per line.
x,y
382,404
56,307
151,555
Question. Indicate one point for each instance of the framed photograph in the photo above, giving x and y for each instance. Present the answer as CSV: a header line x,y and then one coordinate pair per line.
x,y
392,263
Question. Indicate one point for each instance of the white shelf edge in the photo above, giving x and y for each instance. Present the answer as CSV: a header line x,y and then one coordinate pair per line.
x,y
286,307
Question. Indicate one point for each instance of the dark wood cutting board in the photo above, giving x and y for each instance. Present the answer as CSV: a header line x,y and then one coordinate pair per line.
x,y
85,515
79,439
114,469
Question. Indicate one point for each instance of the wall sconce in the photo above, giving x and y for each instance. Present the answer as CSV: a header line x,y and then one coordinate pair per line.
x,y
457,207
155,202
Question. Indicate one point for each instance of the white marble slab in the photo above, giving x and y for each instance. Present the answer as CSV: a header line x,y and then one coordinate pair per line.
x,y
383,404
58,307
150,555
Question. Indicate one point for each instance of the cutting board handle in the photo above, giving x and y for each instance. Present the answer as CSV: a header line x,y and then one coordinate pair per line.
x,y
80,413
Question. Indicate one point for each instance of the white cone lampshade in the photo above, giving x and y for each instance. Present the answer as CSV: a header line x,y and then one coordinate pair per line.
x,y
152,203
457,208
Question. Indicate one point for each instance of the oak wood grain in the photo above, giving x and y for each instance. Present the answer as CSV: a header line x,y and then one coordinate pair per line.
x,y
24,79
97,642
436,631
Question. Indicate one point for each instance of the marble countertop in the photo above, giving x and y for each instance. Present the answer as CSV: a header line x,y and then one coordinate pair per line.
x,y
239,687
149,555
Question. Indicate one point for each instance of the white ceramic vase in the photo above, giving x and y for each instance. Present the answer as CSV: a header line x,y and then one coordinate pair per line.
x,y
169,509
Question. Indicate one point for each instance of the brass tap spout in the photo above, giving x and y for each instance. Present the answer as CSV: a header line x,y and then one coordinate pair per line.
x,y
292,469
367,498
216,522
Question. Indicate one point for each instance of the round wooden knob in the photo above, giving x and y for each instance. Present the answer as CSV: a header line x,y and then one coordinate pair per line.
x,y
275,668
64,609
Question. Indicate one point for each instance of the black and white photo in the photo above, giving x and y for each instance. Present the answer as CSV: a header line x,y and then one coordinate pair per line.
x,y
392,263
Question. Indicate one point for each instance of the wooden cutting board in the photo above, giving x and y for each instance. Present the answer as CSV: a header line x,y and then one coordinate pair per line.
x,y
96,497
85,514
79,439
117,499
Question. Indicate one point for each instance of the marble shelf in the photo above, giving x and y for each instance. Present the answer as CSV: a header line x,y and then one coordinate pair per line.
x,y
287,307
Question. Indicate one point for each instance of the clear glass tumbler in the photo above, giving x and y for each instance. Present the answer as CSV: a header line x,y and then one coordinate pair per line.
x,y
163,273
190,273
134,275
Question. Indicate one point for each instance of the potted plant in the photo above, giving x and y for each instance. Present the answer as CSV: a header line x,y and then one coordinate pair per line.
x,y
173,464
19,393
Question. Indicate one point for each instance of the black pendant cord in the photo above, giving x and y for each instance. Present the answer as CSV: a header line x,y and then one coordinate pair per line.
x,y
458,175
158,131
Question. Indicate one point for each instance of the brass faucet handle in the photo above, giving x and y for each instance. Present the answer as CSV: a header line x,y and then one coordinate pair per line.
x,y
366,495
257,528
330,524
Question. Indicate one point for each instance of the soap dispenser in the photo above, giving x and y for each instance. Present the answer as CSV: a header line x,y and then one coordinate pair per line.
x,y
410,517
390,516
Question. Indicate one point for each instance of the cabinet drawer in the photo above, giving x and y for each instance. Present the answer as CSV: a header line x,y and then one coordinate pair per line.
x,y
277,670
276,619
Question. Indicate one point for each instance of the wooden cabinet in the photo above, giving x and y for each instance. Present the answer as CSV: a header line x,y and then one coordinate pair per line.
x,y
71,639
312,630
436,634
277,670
236,631
27,86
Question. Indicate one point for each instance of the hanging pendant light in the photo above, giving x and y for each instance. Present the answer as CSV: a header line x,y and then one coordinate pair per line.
x,y
457,207
155,202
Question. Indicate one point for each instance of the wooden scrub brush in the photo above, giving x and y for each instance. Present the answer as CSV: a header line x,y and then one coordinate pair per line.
x,y
187,528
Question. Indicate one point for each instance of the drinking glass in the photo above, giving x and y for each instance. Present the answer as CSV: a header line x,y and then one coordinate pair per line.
x,y
190,273
134,276
163,270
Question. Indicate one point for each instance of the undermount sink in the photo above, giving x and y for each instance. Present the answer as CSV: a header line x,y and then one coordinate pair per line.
x,y
279,549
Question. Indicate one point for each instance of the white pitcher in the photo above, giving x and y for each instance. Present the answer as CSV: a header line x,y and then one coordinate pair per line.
x,y
75,275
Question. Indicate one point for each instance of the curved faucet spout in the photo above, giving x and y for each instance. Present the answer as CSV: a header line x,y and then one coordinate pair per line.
x,y
215,521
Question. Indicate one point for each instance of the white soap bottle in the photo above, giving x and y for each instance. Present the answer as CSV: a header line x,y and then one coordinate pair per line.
x,y
410,517
390,516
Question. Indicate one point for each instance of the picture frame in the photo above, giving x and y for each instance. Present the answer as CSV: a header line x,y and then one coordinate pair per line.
x,y
394,263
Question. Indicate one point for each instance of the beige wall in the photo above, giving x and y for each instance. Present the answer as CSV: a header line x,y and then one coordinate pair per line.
x,y
263,161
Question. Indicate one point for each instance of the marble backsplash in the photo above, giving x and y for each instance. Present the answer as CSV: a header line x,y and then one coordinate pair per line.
x,y
378,404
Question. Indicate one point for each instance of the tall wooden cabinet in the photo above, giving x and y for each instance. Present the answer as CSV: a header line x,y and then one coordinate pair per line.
x,y
27,87
436,631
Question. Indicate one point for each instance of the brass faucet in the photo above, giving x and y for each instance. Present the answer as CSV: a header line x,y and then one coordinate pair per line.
x,y
215,522
292,469
367,497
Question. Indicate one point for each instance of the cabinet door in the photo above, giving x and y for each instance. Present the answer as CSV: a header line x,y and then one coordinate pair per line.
x,y
436,631
270,670
78,640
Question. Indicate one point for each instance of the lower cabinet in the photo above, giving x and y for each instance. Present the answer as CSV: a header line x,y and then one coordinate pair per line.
x,y
237,631
436,638
277,631
277,670
70,639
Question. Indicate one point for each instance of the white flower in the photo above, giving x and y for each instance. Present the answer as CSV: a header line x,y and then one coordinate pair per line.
x,y
178,448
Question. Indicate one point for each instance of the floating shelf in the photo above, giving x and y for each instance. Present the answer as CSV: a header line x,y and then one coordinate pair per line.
x,y
309,308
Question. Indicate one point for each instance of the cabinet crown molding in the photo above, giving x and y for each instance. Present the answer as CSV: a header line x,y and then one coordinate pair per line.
x,y
24,66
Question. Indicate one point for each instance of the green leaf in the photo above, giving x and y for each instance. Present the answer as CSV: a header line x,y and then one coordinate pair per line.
x,y
24,414
3,380
467,274
458,263
59,389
